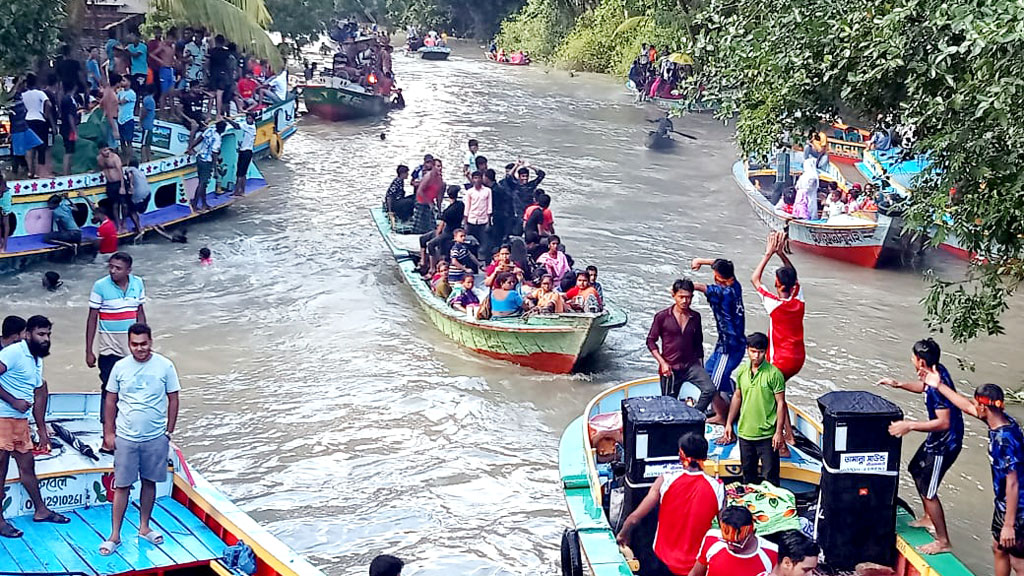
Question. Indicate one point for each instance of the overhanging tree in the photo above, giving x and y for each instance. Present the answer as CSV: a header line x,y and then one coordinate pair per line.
x,y
954,69
28,31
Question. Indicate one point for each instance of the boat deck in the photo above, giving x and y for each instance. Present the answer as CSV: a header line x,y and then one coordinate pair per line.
x,y
74,547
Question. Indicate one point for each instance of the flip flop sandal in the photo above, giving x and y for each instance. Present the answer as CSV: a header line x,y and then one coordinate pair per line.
x,y
53,518
155,538
8,531
108,547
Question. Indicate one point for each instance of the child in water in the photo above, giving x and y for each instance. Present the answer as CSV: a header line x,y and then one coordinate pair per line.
x,y
205,258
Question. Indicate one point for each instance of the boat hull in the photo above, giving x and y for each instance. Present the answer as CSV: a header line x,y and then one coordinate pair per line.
x,y
548,343
336,104
869,244
434,53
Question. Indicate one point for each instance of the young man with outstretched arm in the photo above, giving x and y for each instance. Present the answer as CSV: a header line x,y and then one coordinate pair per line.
x,y
725,296
945,429
1006,454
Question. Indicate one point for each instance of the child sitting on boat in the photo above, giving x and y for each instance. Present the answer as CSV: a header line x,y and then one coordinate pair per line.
x,y
465,300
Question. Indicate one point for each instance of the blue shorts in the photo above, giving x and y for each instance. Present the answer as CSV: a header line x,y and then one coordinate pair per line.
x,y
722,363
166,79
127,132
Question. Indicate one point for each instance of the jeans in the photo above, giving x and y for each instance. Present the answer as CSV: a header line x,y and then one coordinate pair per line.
x,y
753,452
479,231
694,374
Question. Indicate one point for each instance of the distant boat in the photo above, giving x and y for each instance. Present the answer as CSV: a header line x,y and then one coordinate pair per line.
x,y
545,342
198,522
494,58
672,101
337,99
434,52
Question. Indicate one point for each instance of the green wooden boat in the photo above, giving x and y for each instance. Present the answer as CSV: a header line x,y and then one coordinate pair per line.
x,y
341,100
548,342
592,538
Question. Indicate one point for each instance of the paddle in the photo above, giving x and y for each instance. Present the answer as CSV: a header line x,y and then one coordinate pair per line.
x,y
683,135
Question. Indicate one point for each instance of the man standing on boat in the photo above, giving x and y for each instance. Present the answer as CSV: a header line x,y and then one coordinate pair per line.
x,y
479,209
757,407
142,402
945,428
687,502
428,193
114,305
22,389
725,297
681,358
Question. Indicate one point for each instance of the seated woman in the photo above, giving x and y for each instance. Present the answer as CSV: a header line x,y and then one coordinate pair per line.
x,y
583,297
834,205
439,281
546,299
555,261
505,299
502,263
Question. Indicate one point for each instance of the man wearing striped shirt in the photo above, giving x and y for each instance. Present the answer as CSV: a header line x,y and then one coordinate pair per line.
x,y
114,305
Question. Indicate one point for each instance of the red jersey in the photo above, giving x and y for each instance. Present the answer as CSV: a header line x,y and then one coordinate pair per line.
x,y
247,87
107,233
548,222
689,502
786,330
721,561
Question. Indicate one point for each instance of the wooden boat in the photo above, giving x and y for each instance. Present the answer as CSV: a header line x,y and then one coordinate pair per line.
x,y
549,342
434,52
494,58
846,144
860,241
172,176
275,124
592,537
197,521
338,99
668,102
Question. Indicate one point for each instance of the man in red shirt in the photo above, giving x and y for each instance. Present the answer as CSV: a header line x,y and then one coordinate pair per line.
x,y
687,502
735,550
107,231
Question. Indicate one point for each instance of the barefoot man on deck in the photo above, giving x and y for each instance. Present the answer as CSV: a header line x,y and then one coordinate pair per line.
x,y
945,428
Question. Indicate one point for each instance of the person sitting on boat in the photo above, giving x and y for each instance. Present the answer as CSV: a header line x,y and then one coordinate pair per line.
x,y
65,229
465,299
936,455
538,221
439,281
583,297
23,390
395,200
516,58
463,262
798,555
506,301
555,261
502,263
725,296
342,68
545,298
501,56
190,108
430,40
141,414
757,407
881,136
734,549
1006,456
687,502
834,205
805,206
681,357
592,275
493,48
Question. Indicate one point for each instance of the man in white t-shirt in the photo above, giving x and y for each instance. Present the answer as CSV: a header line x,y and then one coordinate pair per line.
x,y
38,115
470,163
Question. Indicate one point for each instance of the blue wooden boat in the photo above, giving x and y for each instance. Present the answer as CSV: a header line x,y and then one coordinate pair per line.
x,y
434,52
584,481
197,520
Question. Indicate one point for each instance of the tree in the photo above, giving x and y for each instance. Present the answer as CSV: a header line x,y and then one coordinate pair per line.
x,y
243,21
29,30
953,69
301,21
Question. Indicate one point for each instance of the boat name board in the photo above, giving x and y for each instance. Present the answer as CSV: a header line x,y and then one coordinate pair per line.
x,y
840,237
864,462
657,470
844,149
60,493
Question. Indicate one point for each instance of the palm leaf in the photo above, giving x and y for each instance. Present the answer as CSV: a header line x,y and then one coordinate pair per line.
x,y
631,23
224,17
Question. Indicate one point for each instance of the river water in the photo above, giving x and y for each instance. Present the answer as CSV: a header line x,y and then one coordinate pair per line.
x,y
322,401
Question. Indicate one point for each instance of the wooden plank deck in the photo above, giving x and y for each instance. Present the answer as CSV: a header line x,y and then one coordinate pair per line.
x,y
74,547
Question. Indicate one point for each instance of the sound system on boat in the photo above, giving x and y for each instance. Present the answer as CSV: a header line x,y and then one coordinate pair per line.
x,y
651,426
856,519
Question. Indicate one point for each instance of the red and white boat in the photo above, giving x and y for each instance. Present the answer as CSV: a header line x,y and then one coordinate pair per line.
x,y
869,239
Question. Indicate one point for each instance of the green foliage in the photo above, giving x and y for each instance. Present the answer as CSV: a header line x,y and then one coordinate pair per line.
x,y
242,21
952,68
538,28
28,31
301,21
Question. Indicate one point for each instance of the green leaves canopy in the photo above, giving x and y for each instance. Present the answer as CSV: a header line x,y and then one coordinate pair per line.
x,y
952,68
28,30
242,21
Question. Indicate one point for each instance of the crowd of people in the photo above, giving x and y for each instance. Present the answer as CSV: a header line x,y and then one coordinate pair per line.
x,y
364,59
188,78
139,407
511,57
657,76
498,233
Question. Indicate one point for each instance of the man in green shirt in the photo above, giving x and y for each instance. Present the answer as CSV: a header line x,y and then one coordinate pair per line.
x,y
758,402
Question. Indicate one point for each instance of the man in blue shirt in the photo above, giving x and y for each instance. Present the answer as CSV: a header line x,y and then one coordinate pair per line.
x,y
66,230
1006,454
148,122
126,98
945,428
22,389
142,410
138,53
725,297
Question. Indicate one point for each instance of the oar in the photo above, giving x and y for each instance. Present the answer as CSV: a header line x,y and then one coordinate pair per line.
x,y
684,135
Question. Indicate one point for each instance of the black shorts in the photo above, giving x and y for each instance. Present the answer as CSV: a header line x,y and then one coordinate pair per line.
x,y
1018,528
114,191
244,159
42,130
138,82
69,144
141,206
928,469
